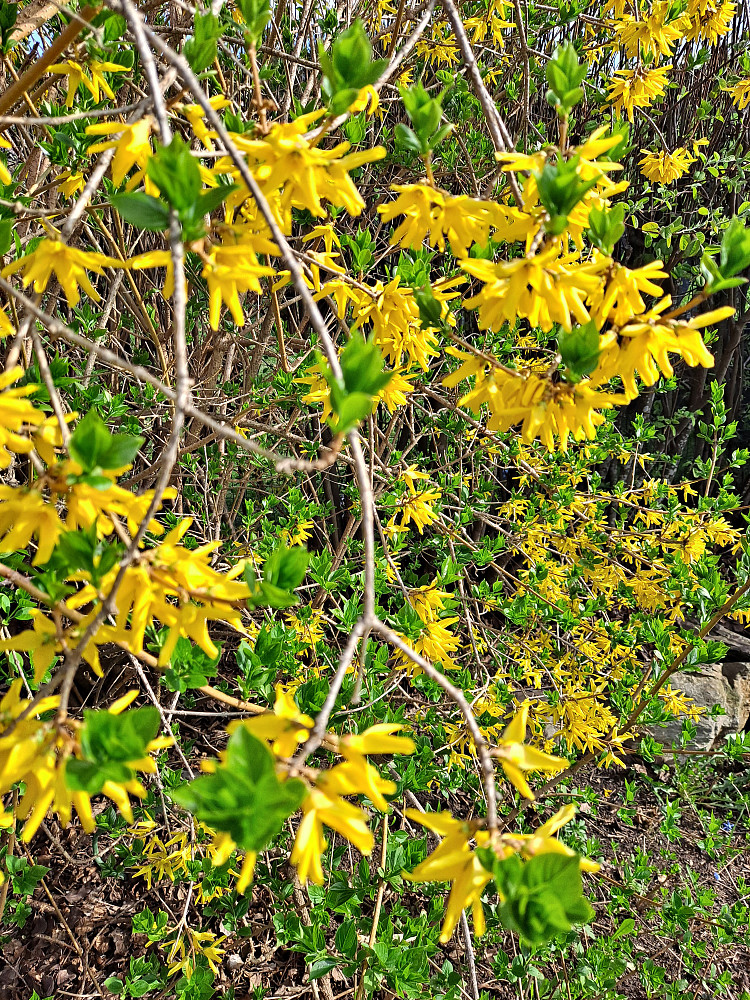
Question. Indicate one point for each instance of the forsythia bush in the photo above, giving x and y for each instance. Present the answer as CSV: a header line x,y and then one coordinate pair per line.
x,y
358,383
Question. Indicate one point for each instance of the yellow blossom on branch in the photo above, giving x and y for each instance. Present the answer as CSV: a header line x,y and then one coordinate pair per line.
x,y
285,160
70,182
133,148
229,271
653,33
665,167
740,93
453,861
68,265
435,215
544,288
5,177
516,757
320,809
17,414
709,19
76,74
637,88
646,341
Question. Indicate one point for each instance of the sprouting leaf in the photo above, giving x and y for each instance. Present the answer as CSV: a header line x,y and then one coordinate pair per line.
x,y
243,797
94,447
142,210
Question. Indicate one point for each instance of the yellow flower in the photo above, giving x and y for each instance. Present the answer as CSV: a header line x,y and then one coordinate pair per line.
x,y
453,861
16,414
377,739
619,297
651,33
6,326
5,176
308,630
285,728
156,258
318,809
397,391
67,264
544,841
357,776
709,19
27,754
133,146
637,88
417,509
25,514
76,74
434,215
301,533
70,182
740,93
646,342
437,642
367,96
187,945
229,270
428,601
304,174
515,757
665,167
544,289
40,641
397,329
196,116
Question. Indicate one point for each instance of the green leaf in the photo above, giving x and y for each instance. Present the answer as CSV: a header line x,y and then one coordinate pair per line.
x,y
735,249
94,447
322,966
348,67
734,257
346,938
142,211
579,350
362,366
565,74
87,776
286,567
542,897
114,985
425,113
140,987
559,872
6,226
8,16
350,410
25,877
256,14
362,377
211,198
626,927
109,738
430,310
189,667
243,796
269,596
407,139
84,550
175,172
560,189
606,227
200,48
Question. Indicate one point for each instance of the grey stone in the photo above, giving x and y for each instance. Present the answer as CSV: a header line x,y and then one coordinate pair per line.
x,y
723,684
